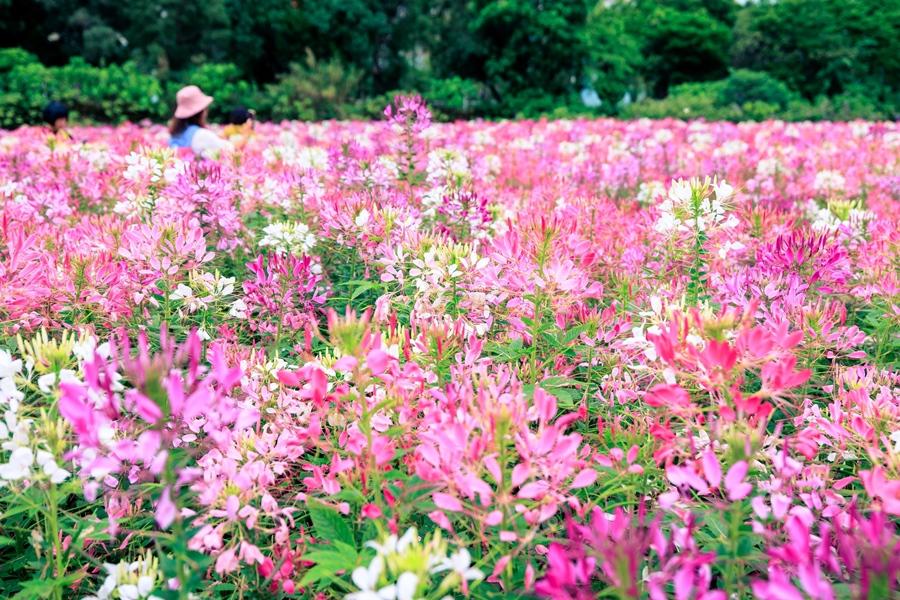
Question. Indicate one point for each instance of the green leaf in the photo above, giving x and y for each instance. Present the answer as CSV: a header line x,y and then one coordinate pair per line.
x,y
363,288
44,588
328,524
510,352
329,560
316,574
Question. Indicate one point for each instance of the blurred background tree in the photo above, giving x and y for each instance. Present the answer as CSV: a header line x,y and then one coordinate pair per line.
x,y
492,58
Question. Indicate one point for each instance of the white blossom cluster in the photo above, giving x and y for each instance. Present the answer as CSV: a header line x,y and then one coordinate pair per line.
x,y
302,158
288,238
695,204
829,182
157,167
386,579
838,216
649,191
447,170
130,580
23,463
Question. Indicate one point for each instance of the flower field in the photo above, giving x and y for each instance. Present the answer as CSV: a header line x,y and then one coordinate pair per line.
x,y
398,360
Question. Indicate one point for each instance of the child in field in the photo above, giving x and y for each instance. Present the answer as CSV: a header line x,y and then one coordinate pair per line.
x,y
188,126
56,116
240,125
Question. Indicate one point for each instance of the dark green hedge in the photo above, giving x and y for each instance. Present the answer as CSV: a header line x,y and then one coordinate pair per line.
x,y
315,90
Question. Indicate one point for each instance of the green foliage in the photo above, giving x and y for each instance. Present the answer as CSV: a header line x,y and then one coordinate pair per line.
x,y
15,57
313,90
823,47
683,45
339,59
754,96
112,94
328,524
744,86
459,98
529,46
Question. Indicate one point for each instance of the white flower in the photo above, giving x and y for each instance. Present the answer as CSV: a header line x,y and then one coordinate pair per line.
x,y
189,300
366,579
9,394
680,212
214,285
667,223
680,191
8,366
767,167
649,191
129,581
181,292
729,247
663,136
724,192
447,166
460,562
85,347
406,586
108,587
238,309
47,382
128,592
731,148
19,465
50,468
639,341
282,236
392,545
829,181
145,585
895,437
14,429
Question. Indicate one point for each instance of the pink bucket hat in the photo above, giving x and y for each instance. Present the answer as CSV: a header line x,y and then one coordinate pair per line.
x,y
190,101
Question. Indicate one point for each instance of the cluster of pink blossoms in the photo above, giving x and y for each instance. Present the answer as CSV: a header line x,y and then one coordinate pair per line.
x,y
404,360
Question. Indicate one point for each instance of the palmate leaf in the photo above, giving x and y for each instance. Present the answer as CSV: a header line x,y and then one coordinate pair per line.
x,y
328,524
330,559
509,352
44,588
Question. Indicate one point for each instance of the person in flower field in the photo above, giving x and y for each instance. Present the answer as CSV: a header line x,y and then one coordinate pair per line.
x,y
188,128
56,116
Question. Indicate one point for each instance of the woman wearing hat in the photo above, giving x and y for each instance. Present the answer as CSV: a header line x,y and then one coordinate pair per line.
x,y
188,127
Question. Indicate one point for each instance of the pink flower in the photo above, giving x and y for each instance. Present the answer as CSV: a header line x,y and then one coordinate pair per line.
x,y
165,510
377,361
227,562
447,502
667,396
735,485
584,478
711,469
74,408
887,491
371,511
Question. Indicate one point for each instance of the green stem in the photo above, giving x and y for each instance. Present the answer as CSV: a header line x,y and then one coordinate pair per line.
x,y
732,575
53,532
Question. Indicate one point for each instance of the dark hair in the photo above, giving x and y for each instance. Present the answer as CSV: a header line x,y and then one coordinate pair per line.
x,y
176,125
239,115
54,111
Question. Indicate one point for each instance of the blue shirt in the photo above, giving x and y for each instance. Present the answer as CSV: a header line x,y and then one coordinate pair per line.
x,y
183,139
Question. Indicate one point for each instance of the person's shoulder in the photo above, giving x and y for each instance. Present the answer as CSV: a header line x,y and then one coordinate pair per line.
x,y
203,133
206,140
